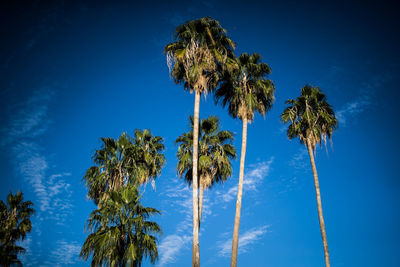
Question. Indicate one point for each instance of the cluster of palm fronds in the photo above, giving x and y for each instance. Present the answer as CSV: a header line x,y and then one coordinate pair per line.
x,y
15,224
120,232
124,161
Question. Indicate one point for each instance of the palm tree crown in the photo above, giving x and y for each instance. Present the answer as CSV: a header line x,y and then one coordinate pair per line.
x,y
121,233
245,89
215,153
15,224
124,161
201,47
310,115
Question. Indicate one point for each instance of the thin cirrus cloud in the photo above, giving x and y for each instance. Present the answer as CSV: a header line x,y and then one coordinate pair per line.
x,y
180,199
352,108
364,100
299,161
246,239
179,196
253,177
29,123
52,193
66,253
171,246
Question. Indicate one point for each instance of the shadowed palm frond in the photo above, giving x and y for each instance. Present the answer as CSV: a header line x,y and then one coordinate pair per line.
x,y
15,224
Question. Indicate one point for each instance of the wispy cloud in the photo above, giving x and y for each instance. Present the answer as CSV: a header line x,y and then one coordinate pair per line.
x,y
22,137
29,123
180,199
65,253
171,246
253,176
298,161
363,101
351,109
246,239
27,244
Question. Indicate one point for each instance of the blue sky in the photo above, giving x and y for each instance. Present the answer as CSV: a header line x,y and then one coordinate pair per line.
x,y
72,72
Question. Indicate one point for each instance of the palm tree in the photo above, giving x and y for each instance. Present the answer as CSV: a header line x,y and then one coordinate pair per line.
x,y
215,155
245,90
200,50
311,119
15,224
121,234
124,161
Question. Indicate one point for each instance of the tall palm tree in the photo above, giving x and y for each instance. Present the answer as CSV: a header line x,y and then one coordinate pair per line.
x,y
215,154
312,120
124,161
15,224
200,50
245,90
121,234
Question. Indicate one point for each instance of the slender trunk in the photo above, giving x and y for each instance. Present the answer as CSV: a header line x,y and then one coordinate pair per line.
x,y
235,239
201,193
196,247
319,204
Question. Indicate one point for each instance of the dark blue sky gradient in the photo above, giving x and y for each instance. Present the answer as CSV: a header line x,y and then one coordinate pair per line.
x,y
74,71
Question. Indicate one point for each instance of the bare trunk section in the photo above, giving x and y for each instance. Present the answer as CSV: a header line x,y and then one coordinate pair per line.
x,y
201,193
321,217
235,239
196,247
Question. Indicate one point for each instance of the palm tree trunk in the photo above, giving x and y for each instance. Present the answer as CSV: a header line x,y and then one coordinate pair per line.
x,y
201,193
196,247
321,217
235,239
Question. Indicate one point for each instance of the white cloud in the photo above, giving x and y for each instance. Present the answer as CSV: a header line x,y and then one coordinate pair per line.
x,y
352,108
27,245
253,176
30,122
171,246
364,100
65,253
180,200
299,161
246,239
52,193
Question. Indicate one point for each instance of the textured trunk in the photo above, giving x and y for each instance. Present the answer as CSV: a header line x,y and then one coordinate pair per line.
x,y
196,247
235,239
319,204
201,193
